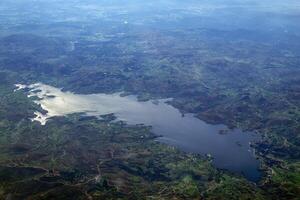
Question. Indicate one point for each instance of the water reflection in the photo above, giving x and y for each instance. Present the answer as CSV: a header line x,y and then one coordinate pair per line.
x,y
230,149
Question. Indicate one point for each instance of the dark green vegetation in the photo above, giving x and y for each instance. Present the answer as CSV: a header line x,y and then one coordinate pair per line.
x,y
231,73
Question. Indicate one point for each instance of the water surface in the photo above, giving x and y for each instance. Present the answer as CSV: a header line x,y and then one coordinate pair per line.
x,y
230,151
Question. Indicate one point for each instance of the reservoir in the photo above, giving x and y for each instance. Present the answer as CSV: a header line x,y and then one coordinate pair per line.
x,y
230,151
